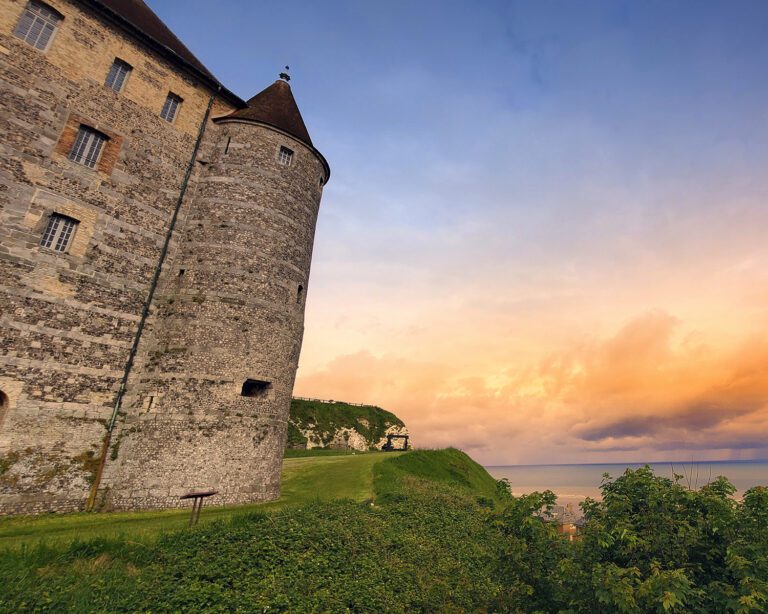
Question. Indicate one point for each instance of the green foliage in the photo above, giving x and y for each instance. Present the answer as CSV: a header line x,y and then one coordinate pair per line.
x,y
431,550
317,474
295,438
504,489
440,535
650,545
326,418
676,549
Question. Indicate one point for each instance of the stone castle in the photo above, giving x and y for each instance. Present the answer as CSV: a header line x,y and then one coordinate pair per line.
x,y
156,236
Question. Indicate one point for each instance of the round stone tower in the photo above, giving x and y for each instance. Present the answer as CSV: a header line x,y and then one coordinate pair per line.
x,y
208,402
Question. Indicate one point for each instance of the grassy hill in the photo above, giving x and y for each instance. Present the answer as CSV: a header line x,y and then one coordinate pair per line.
x,y
425,531
379,531
325,419
321,475
448,470
318,475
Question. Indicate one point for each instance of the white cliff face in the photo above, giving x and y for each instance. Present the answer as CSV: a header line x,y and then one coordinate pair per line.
x,y
397,444
313,439
350,438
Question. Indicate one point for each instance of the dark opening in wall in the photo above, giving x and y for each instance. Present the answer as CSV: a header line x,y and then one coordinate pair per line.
x,y
226,149
4,403
299,293
255,388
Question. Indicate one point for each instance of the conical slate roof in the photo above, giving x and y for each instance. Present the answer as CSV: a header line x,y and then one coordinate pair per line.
x,y
137,14
276,107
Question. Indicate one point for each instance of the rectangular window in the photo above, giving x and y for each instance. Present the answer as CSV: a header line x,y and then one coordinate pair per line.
x,y
87,146
37,25
58,234
285,156
117,75
171,107
255,388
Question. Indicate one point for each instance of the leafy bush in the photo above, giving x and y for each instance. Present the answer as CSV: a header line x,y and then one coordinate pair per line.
x,y
442,536
432,550
650,545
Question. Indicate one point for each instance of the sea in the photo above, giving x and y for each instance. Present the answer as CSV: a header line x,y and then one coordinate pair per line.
x,y
573,483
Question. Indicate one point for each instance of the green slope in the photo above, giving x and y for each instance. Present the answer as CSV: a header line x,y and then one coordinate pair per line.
x,y
358,477
304,480
325,478
326,418
442,470
406,550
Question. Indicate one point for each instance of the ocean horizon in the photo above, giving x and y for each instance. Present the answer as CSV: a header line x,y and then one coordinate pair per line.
x,y
574,482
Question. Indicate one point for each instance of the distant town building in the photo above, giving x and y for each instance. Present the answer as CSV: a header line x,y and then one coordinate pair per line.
x,y
567,521
128,172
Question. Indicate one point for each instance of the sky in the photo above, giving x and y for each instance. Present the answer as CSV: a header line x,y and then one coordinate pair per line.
x,y
545,236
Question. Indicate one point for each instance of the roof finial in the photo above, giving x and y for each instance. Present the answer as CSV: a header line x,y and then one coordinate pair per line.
x,y
284,75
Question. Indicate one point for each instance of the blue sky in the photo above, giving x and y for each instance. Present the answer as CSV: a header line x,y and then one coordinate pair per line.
x,y
517,185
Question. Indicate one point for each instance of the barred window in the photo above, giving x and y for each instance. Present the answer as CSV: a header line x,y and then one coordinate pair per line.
x,y
117,74
171,107
37,25
285,156
58,234
87,147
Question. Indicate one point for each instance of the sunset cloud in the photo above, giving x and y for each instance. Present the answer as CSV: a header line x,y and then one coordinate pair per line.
x,y
650,388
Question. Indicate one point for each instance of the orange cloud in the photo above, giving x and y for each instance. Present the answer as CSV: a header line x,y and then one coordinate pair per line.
x,y
651,391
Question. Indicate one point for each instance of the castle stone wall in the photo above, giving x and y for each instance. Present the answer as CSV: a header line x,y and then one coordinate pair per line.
x,y
230,309
67,320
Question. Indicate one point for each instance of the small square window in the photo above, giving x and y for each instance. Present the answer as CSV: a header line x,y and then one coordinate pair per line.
x,y
117,75
170,107
87,146
59,232
285,156
37,25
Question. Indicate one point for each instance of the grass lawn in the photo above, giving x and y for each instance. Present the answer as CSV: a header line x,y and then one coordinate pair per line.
x,y
323,452
306,479
429,544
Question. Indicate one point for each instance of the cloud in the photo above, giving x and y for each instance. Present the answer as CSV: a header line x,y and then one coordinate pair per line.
x,y
646,383
649,389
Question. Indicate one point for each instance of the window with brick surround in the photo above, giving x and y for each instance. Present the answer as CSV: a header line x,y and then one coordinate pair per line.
x,y
118,74
170,107
59,232
285,156
87,146
37,25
